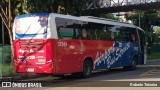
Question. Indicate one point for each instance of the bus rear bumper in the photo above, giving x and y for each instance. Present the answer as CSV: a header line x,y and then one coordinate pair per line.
x,y
38,69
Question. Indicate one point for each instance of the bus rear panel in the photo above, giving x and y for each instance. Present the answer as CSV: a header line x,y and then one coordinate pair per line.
x,y
32,49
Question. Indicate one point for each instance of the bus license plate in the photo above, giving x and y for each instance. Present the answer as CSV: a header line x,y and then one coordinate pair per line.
x,y
30,70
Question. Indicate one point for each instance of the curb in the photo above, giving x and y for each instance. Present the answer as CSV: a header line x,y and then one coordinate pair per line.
x,y
154,60
20,77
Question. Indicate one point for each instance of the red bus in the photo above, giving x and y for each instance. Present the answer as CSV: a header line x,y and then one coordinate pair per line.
x,y
49,43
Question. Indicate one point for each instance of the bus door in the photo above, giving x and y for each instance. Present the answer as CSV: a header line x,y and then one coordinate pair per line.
x,y
142,46
129,45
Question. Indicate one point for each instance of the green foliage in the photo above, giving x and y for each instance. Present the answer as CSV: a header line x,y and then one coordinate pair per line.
x,y
40,6
153,56
155,38
158,30
72,7
109,16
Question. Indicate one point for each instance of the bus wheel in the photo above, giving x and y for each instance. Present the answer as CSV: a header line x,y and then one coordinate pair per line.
x,y
87,69
134,63
133,66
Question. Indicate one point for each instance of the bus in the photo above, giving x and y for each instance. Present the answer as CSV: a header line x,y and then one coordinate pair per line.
x,y
49,43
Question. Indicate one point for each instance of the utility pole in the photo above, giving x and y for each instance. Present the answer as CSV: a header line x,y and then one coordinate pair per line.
x,y
139,19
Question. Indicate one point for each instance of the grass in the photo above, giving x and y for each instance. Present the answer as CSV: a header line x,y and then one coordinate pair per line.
x,y
5,59
153,55
6,70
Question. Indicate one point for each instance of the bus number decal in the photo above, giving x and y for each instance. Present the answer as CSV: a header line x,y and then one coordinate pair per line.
x,y
62,44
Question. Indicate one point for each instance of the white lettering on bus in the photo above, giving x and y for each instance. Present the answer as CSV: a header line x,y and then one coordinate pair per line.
x,y
62,44
22,51
41,51
108,58
30,57
30,51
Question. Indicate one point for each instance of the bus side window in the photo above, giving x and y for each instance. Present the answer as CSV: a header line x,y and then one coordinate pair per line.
x,y
74,34
65,33
125,34
134,37
116,36
101,31
92,34
112,36
84,35
81,30
58,32
64,28
129,35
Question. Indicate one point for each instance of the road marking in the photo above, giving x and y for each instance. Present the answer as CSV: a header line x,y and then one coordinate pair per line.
x,y
155,71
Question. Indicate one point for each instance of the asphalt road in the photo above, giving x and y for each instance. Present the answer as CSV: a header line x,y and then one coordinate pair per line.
x,y
144,77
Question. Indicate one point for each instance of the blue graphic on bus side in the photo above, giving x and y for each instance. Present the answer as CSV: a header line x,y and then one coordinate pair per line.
x,y
115,56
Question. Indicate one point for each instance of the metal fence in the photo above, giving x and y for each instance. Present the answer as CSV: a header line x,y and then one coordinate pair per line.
x,y
6,64
113,3
155,48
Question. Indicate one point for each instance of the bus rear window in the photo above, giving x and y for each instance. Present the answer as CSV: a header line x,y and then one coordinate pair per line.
x,y
31,24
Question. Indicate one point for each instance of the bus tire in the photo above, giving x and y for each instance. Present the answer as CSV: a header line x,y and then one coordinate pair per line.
x,y
133,66
134,63
87,68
